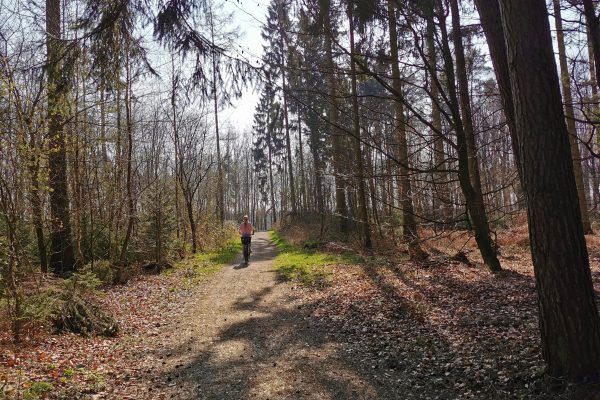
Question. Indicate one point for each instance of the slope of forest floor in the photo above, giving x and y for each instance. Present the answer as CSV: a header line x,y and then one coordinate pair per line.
x,y
69,366
451,329
439,329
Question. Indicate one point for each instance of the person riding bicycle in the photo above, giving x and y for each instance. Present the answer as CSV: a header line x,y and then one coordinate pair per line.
x,y
246,231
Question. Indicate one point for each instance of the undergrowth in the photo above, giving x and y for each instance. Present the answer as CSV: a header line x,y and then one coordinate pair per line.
x,y
305,265
201,266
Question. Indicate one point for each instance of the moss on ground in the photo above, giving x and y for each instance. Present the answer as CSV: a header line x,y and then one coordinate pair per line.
x,y
201,266
305,265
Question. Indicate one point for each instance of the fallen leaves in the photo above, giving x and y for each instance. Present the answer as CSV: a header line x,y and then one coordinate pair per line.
x,y
78,367
451,331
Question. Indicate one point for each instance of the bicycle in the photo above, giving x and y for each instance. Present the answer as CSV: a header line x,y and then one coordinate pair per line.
x,y
246,242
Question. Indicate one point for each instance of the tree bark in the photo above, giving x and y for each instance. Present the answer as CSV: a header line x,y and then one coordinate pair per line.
x,y
362,196
565,79
409,224
220,189
593,25
444,211
288,148
301,157
270,127
569,322
489,13
62,258
173,96
128,182
192,221
285,113
465,101
475,205
336,135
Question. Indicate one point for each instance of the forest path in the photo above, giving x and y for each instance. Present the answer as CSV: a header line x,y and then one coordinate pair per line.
x,y
246,336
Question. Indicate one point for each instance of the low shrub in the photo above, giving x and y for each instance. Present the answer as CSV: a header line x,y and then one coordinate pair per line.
x,y
102,269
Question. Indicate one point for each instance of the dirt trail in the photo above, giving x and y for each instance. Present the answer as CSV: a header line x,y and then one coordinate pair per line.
x,y
247,337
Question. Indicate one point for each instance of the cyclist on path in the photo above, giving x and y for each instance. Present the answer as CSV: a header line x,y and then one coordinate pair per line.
x,y
246,231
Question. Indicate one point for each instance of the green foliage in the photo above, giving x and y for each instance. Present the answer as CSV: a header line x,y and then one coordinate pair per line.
x,y
201,266
82,283
307,266
42,306
156,240
69,373
102,269
223,255
37,390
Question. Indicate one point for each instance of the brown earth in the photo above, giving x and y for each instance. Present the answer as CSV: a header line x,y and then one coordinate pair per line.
x,y
246,336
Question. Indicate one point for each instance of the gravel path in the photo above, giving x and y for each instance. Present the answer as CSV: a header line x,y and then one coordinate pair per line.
x,y
246,336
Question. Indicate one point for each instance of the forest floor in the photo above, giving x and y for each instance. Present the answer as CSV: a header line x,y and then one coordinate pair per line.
x,y
381,328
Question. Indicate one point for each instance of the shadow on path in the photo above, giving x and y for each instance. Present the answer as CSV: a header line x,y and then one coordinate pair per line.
x,y
250,338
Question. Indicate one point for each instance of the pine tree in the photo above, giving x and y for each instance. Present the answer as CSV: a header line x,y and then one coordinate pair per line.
x,y
268,143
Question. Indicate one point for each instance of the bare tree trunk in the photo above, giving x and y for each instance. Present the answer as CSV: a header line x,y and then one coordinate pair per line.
x,y
174,80
336,135
301,156
489,13
288,148
62,258
594,116
475,205
362,196
192,221
444,210
128,183
410,233
465,101
220,190
569,321
593,25
270,127
570,115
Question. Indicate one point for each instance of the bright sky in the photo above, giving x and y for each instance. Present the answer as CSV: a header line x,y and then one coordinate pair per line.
x,y
249,17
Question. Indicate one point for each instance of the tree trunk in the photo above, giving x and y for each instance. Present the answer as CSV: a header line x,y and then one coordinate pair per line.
x,y
569,322
314,150
362,196
270,127
593,25
128,182
570,115
409,224
489,13
220,189
475,205
192,221
465,101
288,145
176,140
336,135
62,258
301,157
444,210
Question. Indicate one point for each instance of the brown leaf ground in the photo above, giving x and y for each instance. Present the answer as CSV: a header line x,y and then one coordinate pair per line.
x,y
382,330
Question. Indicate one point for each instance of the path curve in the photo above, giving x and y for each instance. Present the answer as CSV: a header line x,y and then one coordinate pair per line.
x,y
246,336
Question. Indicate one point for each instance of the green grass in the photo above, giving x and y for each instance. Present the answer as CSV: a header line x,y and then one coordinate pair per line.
x,y
201,266
37,390
307,266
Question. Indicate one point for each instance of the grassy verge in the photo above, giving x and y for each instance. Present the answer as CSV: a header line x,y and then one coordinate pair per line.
x,y
307,266
201,266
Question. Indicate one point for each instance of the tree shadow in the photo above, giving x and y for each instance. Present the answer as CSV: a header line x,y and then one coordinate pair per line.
x,y
276,352
485,319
